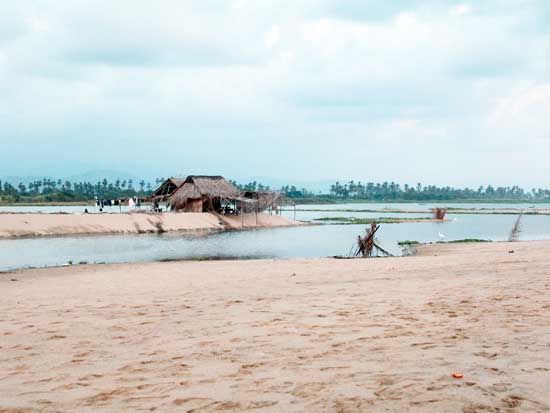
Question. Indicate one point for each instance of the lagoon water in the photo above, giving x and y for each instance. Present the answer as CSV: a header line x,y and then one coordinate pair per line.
x,y
298,242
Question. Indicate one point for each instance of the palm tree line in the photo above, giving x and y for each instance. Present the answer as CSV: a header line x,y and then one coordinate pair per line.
x,y
389,191
51,190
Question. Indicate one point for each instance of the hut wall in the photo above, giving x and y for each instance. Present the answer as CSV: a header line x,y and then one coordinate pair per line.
x,y
193,205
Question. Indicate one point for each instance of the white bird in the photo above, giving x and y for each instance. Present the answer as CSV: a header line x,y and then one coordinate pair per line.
x,y
441,236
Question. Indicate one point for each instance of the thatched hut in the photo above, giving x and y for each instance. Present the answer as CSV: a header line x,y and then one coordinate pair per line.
x,y
167,188
201,193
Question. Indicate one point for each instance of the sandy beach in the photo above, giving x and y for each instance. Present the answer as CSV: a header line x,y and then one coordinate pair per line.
x,y
13,225
320,335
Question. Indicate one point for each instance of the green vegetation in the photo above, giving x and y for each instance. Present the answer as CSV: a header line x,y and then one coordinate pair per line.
x,y
458,241
49,191
407,243
393,191
57,191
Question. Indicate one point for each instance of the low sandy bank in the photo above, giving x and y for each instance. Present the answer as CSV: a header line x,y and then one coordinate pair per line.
x,y
283,336
31,225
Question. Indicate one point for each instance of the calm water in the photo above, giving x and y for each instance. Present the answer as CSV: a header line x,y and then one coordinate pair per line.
x,y
312,215
304,242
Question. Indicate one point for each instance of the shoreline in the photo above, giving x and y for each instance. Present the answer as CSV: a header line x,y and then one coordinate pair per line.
x,y
409,250
283,335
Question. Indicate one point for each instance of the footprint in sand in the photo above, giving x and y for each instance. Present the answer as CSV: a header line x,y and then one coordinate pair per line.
x,y
192,403
513,401
103,397
56,337
90,377
487,355
477,408
501,387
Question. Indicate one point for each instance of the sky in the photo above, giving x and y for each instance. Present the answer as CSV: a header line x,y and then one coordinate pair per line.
x,y
433,91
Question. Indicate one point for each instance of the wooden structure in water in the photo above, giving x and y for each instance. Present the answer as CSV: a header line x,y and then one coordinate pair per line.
x,y
367,246
439,213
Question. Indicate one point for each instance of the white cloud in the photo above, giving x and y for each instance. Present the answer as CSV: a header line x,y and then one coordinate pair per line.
x,y
537,95
272,37
418,77
461,10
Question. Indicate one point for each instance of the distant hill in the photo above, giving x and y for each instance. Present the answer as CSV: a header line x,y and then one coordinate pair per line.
x,y
276,183
111,175
90,176
101,174
15,180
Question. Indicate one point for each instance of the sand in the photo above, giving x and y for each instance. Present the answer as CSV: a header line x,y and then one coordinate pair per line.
x,y
283,336
31,225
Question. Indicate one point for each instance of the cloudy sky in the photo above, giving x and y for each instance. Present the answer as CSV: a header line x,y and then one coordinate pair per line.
x,y
443,92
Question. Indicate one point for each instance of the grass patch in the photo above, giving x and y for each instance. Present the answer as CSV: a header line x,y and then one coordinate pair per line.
x,y
407,242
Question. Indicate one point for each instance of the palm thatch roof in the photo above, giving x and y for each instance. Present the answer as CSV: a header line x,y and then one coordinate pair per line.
x,y
265,199
202,186
168,187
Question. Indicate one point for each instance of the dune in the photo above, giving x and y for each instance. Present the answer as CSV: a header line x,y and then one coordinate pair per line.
x,y
318,335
